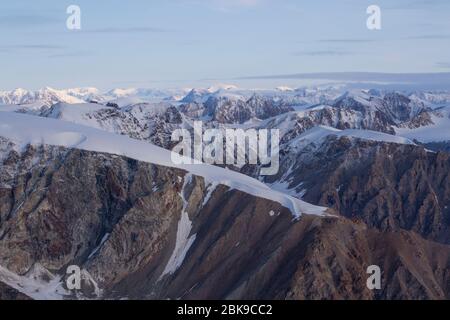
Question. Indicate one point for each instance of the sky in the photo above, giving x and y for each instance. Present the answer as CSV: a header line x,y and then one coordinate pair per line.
x,y
161,43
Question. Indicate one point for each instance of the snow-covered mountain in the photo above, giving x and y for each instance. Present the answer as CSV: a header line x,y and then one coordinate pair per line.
x,y
46,96
299,97
145,95
418,114
291,110
49,96
432,126
23,130
86,177
153,122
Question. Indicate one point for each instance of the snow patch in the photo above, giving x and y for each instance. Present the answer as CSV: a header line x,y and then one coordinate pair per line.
x,y
211,188
437,132
102,242
183,242
317,134
34,285
70,139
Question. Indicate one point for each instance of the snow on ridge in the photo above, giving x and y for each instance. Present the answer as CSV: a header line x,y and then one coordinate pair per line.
x,y
222,86
47,95
96,115
183,240
210,189
50,96
375,136
24,129
318,133
284,89
439,131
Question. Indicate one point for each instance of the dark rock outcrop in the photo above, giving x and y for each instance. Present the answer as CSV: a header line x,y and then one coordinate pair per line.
x,y
122,221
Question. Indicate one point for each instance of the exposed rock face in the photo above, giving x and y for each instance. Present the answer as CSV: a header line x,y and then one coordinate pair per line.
x,y
398,107
438,146
338,254
153,122
295,123
148,232
371,116
236,110
420,120
59,204
8,293
388,186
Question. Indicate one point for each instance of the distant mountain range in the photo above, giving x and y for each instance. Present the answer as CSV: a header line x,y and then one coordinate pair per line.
x,y
321,94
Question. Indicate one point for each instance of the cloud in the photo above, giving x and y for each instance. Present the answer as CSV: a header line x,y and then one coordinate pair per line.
x,y
235,3
26,20
400,81
345,40
338,41
15,48
416,5
245,3
323,53
128,30
431,37
229,5
34,46
77,54
362,76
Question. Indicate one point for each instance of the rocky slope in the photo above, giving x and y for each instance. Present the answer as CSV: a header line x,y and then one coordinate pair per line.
x,y
227,109
8,293
389,186
144,231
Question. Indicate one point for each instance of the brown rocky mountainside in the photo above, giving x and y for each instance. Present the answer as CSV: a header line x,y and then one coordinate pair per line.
x,y
388,186
143,231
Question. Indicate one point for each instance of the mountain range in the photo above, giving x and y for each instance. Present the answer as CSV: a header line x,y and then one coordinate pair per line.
x,y
86,179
